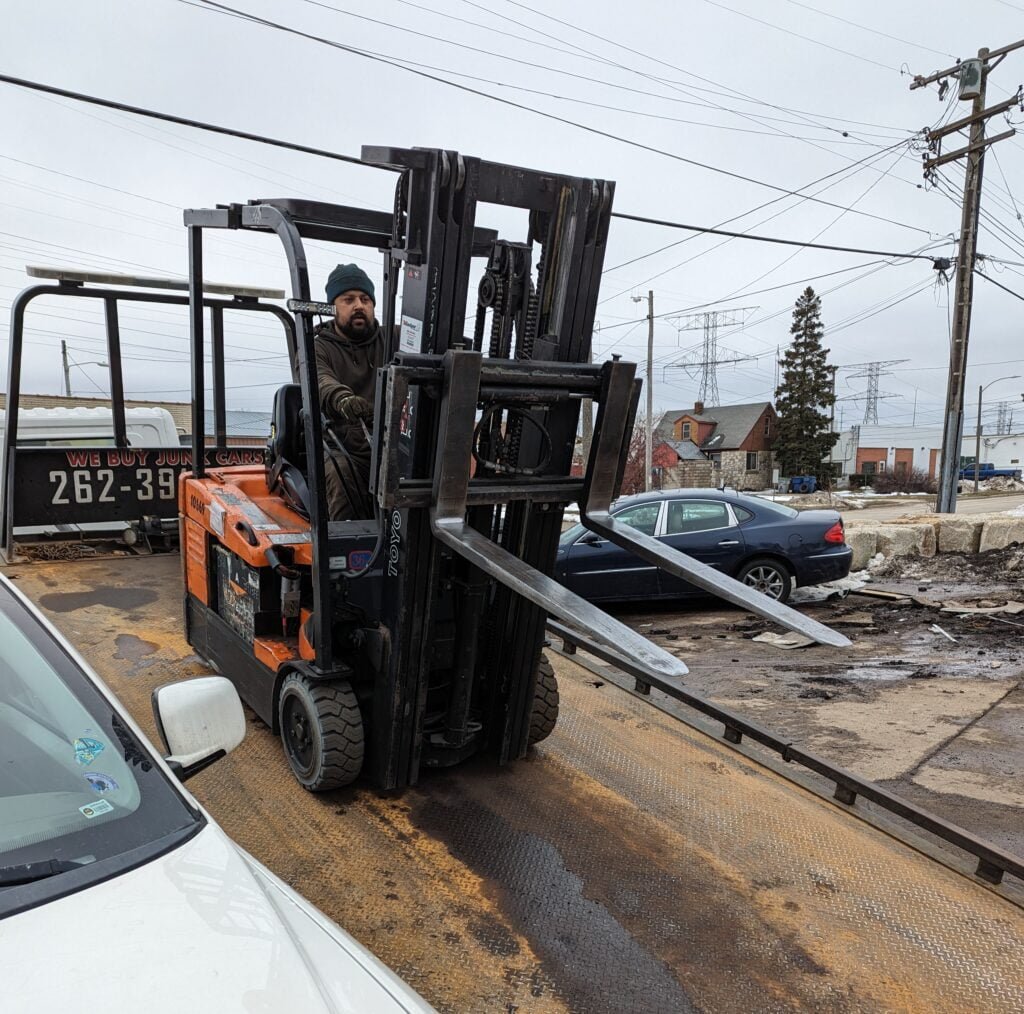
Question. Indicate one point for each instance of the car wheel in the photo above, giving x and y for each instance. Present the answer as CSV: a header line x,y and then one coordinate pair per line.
x,y
321,731
769,577
545,703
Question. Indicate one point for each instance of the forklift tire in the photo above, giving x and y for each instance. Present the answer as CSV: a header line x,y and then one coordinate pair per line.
x,y
321,732
545,703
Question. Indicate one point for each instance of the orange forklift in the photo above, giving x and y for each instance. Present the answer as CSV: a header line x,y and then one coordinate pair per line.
x,y
415,638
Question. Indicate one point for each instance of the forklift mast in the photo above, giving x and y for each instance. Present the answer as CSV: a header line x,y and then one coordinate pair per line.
x,y
473,452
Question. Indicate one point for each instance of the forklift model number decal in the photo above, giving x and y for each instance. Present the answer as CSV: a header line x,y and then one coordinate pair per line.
x,y
394,541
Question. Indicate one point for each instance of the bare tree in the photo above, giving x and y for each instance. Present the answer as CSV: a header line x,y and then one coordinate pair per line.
x,y
633,475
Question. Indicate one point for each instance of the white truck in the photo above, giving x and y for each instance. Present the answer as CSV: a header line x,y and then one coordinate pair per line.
x,y
75,428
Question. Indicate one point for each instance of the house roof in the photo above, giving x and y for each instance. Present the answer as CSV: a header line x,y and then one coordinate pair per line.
x,y
686,449
733,424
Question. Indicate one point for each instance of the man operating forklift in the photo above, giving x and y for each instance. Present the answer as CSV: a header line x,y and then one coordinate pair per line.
x,y
349,350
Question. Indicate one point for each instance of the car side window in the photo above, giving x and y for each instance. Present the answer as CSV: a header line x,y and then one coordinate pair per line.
x,y
742,514
643,517
686,516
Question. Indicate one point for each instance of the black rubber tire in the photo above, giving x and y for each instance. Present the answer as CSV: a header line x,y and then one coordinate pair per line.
x,y
321,732
544,717
773,575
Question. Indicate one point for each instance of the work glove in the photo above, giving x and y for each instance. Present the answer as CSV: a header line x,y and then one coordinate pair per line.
x,y
351,408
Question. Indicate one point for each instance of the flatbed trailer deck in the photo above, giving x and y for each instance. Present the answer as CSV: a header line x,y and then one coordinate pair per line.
x,y
631,863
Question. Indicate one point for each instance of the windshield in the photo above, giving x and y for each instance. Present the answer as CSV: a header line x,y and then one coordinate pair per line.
x,y
76,785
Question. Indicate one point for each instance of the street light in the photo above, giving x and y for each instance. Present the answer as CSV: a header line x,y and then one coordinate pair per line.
x,y
68,364
977,435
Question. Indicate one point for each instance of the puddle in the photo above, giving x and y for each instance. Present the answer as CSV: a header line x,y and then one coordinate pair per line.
x,y
115,598
132,648
877,673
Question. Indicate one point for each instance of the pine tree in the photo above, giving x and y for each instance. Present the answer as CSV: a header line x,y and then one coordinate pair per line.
x,y
803,436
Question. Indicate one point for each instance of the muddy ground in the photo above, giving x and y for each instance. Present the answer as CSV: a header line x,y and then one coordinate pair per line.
x,y
939,721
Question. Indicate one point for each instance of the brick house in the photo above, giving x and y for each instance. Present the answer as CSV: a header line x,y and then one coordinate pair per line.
x,y
720,445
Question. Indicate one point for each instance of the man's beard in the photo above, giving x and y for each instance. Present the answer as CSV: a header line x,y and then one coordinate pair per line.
x,y
358,326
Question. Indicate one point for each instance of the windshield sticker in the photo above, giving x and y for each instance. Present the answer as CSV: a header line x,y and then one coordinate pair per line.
x,y
96,809
87,750
100,782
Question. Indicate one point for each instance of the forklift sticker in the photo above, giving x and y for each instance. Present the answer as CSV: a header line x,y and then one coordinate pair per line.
x,y
87,750
96,809
101,783
217,517
394,541
412,332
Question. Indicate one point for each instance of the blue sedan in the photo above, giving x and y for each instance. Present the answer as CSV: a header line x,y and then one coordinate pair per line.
x,y
766,545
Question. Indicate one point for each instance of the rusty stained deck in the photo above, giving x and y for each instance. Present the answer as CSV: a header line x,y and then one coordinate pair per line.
x,y
629,864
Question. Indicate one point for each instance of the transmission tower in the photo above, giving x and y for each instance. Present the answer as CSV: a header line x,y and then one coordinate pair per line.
x,y
1001,419
872,371
707,361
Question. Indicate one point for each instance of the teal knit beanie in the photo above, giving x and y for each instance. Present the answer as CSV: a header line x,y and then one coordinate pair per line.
x,y
348,276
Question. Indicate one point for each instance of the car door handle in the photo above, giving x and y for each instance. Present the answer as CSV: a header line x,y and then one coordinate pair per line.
x,y
729,542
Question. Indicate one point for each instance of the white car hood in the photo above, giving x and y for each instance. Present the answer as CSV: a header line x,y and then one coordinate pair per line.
x,y
203,928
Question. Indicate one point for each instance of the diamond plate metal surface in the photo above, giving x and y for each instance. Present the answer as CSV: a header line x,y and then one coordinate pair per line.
x,y
629,864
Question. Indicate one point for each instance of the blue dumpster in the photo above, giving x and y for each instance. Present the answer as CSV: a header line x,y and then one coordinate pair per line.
x,y
803,484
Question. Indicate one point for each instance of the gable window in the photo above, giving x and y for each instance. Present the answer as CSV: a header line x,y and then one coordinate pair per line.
x,y
751,461
686,431
767,425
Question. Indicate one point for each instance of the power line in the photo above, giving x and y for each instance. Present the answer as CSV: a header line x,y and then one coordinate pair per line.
x,y
186,122
998,285
867,160
755,292
797,35
647,57
873,31
320,40
768,239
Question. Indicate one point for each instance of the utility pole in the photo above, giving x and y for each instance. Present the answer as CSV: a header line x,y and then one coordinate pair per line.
x,y
973,78
67,367
832,426
649,435
977,442
649,423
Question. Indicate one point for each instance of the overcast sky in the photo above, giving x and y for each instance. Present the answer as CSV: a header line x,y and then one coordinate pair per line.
x,y
781,92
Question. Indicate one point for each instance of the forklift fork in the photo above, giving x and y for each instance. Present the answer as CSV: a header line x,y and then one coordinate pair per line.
x,y
459,398
460,394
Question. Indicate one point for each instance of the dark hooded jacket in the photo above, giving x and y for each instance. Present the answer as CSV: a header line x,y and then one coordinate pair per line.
x,y
347,366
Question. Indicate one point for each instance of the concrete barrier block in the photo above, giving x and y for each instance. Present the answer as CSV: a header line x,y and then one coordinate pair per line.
x,y
863,540
960,534
907,540
999,533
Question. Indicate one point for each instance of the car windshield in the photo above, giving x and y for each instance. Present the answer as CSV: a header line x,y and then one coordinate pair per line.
x,y
76,784
772,507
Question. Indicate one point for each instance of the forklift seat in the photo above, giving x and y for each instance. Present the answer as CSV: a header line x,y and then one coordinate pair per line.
x,y
286,450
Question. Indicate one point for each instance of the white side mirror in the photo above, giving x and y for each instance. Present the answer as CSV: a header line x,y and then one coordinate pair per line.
x,y
199,720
